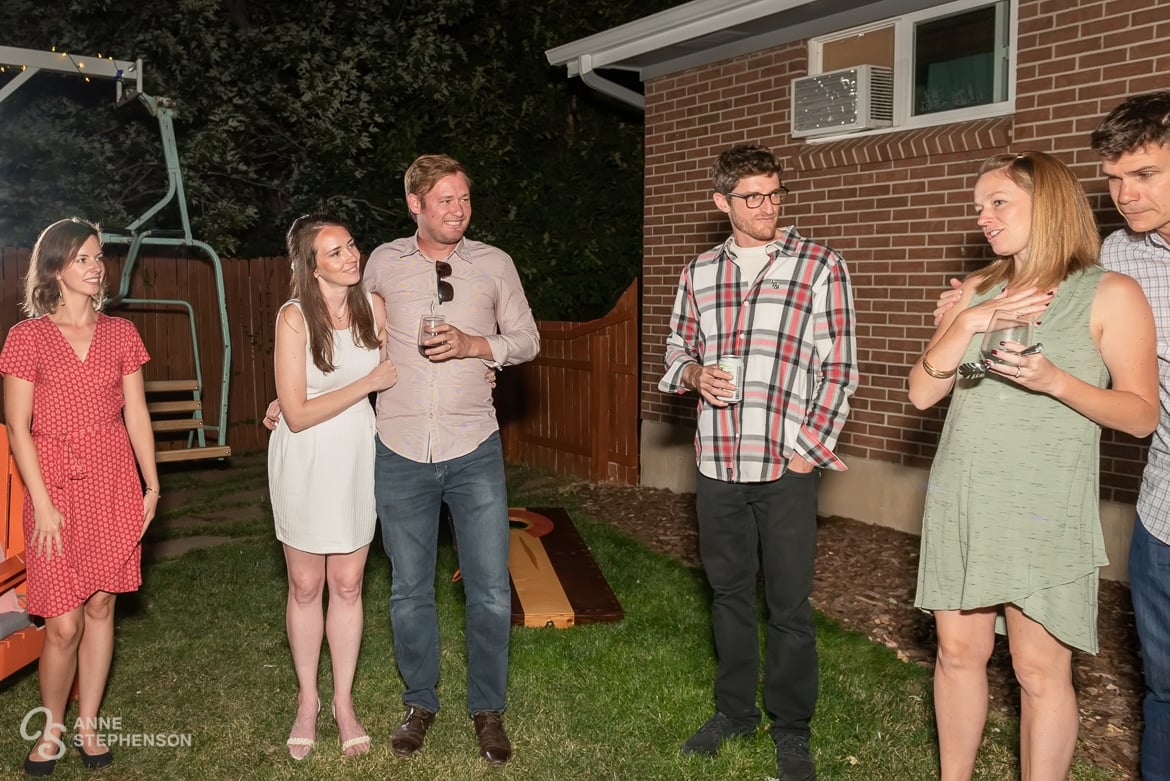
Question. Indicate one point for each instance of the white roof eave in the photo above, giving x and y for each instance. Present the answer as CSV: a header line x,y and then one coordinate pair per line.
x,y
665,28
656,45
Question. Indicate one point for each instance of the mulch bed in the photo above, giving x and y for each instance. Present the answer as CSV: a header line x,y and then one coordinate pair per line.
x,y
866,577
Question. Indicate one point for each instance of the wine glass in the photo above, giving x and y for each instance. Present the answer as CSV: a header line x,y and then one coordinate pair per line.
x,y
1006,326
428,328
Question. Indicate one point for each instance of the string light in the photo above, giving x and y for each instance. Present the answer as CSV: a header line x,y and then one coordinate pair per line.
x,y
79,65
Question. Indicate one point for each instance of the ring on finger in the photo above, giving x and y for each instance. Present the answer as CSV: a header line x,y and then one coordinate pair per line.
x,y
1017,372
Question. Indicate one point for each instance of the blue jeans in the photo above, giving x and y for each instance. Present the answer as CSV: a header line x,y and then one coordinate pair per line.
x,y
742,525
409,495
1149,583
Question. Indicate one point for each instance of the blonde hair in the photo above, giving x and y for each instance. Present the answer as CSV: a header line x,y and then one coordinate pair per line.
x,y
426,171
1065,238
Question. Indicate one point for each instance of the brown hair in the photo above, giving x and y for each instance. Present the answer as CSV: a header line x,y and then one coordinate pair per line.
x,y
302,254
57,245
1064,238
426,171
1140,121
741,161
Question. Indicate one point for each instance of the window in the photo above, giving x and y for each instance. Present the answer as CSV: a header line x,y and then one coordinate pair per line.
x,y
951,63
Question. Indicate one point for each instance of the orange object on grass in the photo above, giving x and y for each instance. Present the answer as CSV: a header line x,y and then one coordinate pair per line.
x,y
23,647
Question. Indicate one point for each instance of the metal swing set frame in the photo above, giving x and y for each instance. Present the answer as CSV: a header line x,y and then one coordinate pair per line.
x,y
171,413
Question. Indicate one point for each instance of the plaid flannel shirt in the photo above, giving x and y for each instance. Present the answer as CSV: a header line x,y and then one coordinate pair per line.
x,y
1146,258
794,326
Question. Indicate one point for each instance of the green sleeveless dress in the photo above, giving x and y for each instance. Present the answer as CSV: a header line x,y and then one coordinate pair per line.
x,y
1012,513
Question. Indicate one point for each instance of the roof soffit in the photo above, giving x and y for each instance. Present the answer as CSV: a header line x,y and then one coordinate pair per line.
x,y
705,31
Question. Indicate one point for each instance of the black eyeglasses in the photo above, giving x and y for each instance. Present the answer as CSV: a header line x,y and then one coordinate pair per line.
x,y
756,200
442,271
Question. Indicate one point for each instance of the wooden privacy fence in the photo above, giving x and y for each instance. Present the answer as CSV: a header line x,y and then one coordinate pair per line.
x,y
574,410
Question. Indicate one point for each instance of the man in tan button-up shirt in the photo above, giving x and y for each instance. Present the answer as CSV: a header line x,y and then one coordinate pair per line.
x,y
438,441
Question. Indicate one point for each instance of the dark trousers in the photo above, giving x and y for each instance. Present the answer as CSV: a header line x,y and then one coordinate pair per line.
x,y
740,525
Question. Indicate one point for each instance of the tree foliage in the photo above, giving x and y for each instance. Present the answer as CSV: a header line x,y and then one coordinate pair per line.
x,y
287,107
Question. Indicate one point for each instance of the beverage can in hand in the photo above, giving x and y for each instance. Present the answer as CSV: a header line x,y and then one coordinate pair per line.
x,y
733,365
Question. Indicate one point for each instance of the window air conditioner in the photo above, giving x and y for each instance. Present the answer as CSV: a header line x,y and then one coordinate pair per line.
x,y
842,101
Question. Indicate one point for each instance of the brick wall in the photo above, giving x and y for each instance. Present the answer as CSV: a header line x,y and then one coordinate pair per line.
x,y
897,205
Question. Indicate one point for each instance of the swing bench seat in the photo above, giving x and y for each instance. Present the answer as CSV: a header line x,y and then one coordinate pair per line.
x,y
192,453
171,415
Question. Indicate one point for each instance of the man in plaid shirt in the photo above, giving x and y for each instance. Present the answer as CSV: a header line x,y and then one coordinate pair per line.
x,y
783,303
1134,145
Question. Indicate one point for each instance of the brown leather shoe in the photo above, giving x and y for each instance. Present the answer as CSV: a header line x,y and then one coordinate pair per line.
x,y
494,745
409,735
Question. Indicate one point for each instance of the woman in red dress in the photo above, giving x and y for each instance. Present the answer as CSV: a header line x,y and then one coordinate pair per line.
x,y
75,409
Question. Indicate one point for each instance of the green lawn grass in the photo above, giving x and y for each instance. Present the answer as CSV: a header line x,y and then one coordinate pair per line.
x,y
201,654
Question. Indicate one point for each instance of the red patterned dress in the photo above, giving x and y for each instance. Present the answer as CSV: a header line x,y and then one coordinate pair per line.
x,y
85,458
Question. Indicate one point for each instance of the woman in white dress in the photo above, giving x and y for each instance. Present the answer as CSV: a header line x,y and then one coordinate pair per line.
x,y
321,463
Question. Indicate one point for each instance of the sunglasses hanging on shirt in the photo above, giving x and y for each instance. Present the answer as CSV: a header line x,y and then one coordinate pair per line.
x,y
442,271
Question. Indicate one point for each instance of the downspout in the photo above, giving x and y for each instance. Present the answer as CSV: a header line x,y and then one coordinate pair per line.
x,y
607,87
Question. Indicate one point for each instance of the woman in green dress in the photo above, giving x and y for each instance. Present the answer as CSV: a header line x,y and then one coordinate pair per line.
x,y
1011,537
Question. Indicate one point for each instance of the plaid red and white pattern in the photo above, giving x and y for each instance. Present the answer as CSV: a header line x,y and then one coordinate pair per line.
x,y
794,326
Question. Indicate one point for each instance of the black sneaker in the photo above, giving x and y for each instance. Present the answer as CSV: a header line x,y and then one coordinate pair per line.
x,y
714,731
794,761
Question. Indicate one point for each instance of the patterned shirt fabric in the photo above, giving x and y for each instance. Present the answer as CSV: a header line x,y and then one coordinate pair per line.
x,y
85,458
440,411
1146,258
794,326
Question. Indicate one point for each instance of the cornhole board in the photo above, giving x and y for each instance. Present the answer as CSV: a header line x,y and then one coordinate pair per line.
x,y
555,581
